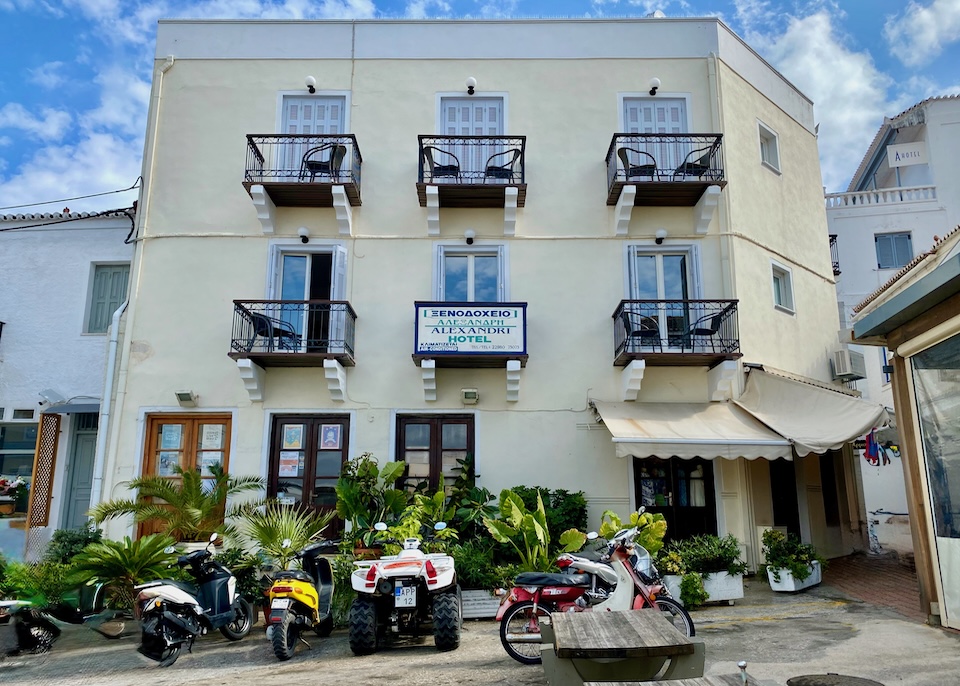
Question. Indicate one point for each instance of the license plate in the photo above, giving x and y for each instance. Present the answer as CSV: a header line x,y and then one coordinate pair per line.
x,y
405,596
280,603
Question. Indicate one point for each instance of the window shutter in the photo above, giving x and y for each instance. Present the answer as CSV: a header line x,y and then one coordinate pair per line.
x,y
902,250
109,291
885,258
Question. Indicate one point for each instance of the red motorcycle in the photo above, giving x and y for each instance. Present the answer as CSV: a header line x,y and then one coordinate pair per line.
x,y
624,578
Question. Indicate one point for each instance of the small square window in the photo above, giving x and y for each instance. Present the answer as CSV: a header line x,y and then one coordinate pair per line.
x,y
769,148
894,250
782,288
23,414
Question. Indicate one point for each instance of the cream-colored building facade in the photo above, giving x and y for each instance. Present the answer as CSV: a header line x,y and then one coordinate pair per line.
x,y
285,316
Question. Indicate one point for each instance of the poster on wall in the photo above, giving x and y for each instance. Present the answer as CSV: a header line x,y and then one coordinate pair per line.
x,y
290,463
211,436
170,435
208,460
292,436
167,463
330,436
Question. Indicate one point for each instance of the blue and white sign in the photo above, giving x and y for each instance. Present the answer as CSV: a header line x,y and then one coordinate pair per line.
x,y
905,154
471,328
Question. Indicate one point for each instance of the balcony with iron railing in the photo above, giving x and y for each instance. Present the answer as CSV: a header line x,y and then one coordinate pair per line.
x,y
668,169
293,333
834,255
472,171
677,333
301,170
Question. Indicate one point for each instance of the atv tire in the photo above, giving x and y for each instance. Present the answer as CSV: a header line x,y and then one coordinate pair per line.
x,y
447,621
363,626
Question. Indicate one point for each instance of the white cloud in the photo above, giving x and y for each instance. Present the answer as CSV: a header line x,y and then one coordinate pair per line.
x,y
418,9
919,34
51,125
124,97
47,75
5,141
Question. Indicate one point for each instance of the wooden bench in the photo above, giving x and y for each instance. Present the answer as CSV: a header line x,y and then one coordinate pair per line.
x,y
629,645
724,680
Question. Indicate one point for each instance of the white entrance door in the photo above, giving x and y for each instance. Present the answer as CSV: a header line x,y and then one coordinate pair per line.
x,y
473,117
314,276
309,115
657,115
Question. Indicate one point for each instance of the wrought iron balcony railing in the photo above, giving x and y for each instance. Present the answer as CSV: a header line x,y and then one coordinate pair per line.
x,y
280,331
705,330
484,160
834,255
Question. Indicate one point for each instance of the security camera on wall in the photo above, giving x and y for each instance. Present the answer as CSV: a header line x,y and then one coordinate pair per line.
x,y
48,395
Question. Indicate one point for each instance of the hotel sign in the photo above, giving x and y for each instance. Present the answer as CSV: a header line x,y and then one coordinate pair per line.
x,y
905,154
471,329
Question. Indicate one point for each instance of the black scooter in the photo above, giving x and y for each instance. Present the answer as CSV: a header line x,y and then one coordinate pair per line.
x,y
172,614
24,629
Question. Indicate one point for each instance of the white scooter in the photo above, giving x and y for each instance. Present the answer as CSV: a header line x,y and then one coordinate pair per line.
x,y
405,594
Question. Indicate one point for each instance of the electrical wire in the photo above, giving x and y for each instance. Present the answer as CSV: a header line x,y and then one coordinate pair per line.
x,y
136,184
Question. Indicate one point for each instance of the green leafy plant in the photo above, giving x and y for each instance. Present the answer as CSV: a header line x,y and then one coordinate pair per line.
x,y
565,509
366,495
65,544
419,520
269,525
343,593
706,554
475,566
121,565
192,508
42,583
653,527
787,552
246,567
527,532
692,592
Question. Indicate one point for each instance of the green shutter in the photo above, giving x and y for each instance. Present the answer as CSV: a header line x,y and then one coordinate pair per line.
x,y
109,291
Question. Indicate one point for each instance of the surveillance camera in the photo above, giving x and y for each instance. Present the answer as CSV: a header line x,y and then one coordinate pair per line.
x,y
304,234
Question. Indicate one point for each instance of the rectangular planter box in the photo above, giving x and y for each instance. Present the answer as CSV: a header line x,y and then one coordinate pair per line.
x,y
479,604
789,584
720,586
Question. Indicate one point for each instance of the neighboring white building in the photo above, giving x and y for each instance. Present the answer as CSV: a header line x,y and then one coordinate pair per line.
x,y
62,276
567,231
904,195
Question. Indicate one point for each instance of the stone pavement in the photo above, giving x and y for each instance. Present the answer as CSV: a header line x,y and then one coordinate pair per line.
x,y
877,580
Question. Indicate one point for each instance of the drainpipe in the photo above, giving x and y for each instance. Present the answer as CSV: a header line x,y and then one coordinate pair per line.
x,y
105,405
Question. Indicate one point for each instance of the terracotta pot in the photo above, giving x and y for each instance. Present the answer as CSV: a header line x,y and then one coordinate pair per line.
x,y
7,506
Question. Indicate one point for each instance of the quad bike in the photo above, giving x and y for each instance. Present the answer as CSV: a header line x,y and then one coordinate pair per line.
x,y
407,593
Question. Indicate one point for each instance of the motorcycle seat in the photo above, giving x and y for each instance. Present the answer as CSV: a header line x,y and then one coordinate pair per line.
x,y
296,574
550,579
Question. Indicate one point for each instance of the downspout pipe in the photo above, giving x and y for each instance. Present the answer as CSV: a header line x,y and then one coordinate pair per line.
x,y
105,406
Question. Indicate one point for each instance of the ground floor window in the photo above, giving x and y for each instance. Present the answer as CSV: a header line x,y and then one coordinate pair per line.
x,y
190,442
18,443
306,455
432,445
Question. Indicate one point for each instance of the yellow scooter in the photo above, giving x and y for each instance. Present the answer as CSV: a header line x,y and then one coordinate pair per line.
x,y
301,599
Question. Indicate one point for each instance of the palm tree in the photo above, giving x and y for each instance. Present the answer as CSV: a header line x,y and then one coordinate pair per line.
x,y
191,509
269,526
121,565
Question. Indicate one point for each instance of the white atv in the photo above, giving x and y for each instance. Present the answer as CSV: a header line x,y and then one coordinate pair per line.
x,y
405,594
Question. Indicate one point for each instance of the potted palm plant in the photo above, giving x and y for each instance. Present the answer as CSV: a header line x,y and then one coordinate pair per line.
x,y
790,564
188,508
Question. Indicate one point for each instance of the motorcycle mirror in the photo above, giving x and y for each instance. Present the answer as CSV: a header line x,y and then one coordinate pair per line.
x,y
641,510
286,543
169,550
439,526
380,526
592,536
213,537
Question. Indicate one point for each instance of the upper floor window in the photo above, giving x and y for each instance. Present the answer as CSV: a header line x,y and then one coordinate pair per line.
x,y
769,147
107,293
663,274
313,114
471,274
894,250
782,287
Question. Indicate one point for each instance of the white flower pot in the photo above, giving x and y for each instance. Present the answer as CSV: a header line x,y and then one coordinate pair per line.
x,y
672,582
789,584
720,586
479,604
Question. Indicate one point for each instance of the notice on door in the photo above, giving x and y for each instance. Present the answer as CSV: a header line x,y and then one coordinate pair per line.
x,y
471,328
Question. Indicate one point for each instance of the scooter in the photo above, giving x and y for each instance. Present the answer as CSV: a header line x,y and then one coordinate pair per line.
x,y
172,614
625,578
24,629
407,592
301,599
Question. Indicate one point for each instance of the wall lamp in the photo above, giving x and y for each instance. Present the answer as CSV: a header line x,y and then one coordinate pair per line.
x,y
661,234
311,84
471,85
469,234
186,398
654,85
304,234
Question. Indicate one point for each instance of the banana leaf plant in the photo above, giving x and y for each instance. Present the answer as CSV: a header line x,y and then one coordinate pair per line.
x,y
652,525
366,495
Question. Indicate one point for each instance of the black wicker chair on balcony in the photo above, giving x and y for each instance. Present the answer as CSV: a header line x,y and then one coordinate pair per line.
x,y
450,168
702,334
646,167
698,163
274,331
323,160
640,330
501,165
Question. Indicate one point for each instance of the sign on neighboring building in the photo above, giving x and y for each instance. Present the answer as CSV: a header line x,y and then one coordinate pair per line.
x,y
471,328
905,154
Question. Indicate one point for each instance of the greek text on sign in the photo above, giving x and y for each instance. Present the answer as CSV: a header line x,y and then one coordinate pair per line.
x,y
472,328
905,154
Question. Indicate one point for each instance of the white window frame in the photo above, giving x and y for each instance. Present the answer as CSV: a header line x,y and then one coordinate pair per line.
x,y
280,247
442,249
766,135
693,257
302,93
645,95
785,273
890,234
438,115
88,306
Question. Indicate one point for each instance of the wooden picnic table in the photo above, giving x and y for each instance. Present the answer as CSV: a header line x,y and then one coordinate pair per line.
x,y
724,680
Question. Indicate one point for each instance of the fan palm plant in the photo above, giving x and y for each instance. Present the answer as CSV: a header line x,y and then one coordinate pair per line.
x,y
121,565
192,507
270,525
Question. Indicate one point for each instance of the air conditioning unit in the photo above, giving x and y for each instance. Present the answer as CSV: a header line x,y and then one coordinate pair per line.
x,y
848,366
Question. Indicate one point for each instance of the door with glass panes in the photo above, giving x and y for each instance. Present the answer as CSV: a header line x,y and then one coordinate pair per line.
x,y
313,276
657,115
662,276
309,115
431,445
681,490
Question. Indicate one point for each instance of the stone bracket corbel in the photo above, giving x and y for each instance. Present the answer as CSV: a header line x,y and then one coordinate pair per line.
x,y
510,194
433,211
253,377
266,210
705,209
513,381
724,381
624,210
631,378
336,377
428,371
341,204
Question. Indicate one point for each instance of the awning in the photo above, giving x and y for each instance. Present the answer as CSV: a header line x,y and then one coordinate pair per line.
x,y
687,430
814,418
73,407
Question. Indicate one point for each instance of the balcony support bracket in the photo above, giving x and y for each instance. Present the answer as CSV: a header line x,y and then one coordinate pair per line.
x,y
513,381
341,204
433,211
630,379
724,381
705,209
266,210
336,377
254,377
624,210
428,370
510,194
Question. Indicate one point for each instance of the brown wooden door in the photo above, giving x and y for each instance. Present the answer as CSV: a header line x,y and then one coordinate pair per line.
x,y
680,490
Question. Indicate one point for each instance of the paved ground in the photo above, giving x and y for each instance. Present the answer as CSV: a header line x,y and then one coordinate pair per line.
x,y
821,630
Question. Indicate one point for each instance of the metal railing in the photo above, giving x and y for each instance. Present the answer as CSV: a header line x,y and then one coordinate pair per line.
x,y
881,196
834,255
485,160
645,157
302,158
676,326
293,326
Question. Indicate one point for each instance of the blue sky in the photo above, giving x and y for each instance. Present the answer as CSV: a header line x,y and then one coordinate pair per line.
x,y
76,76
